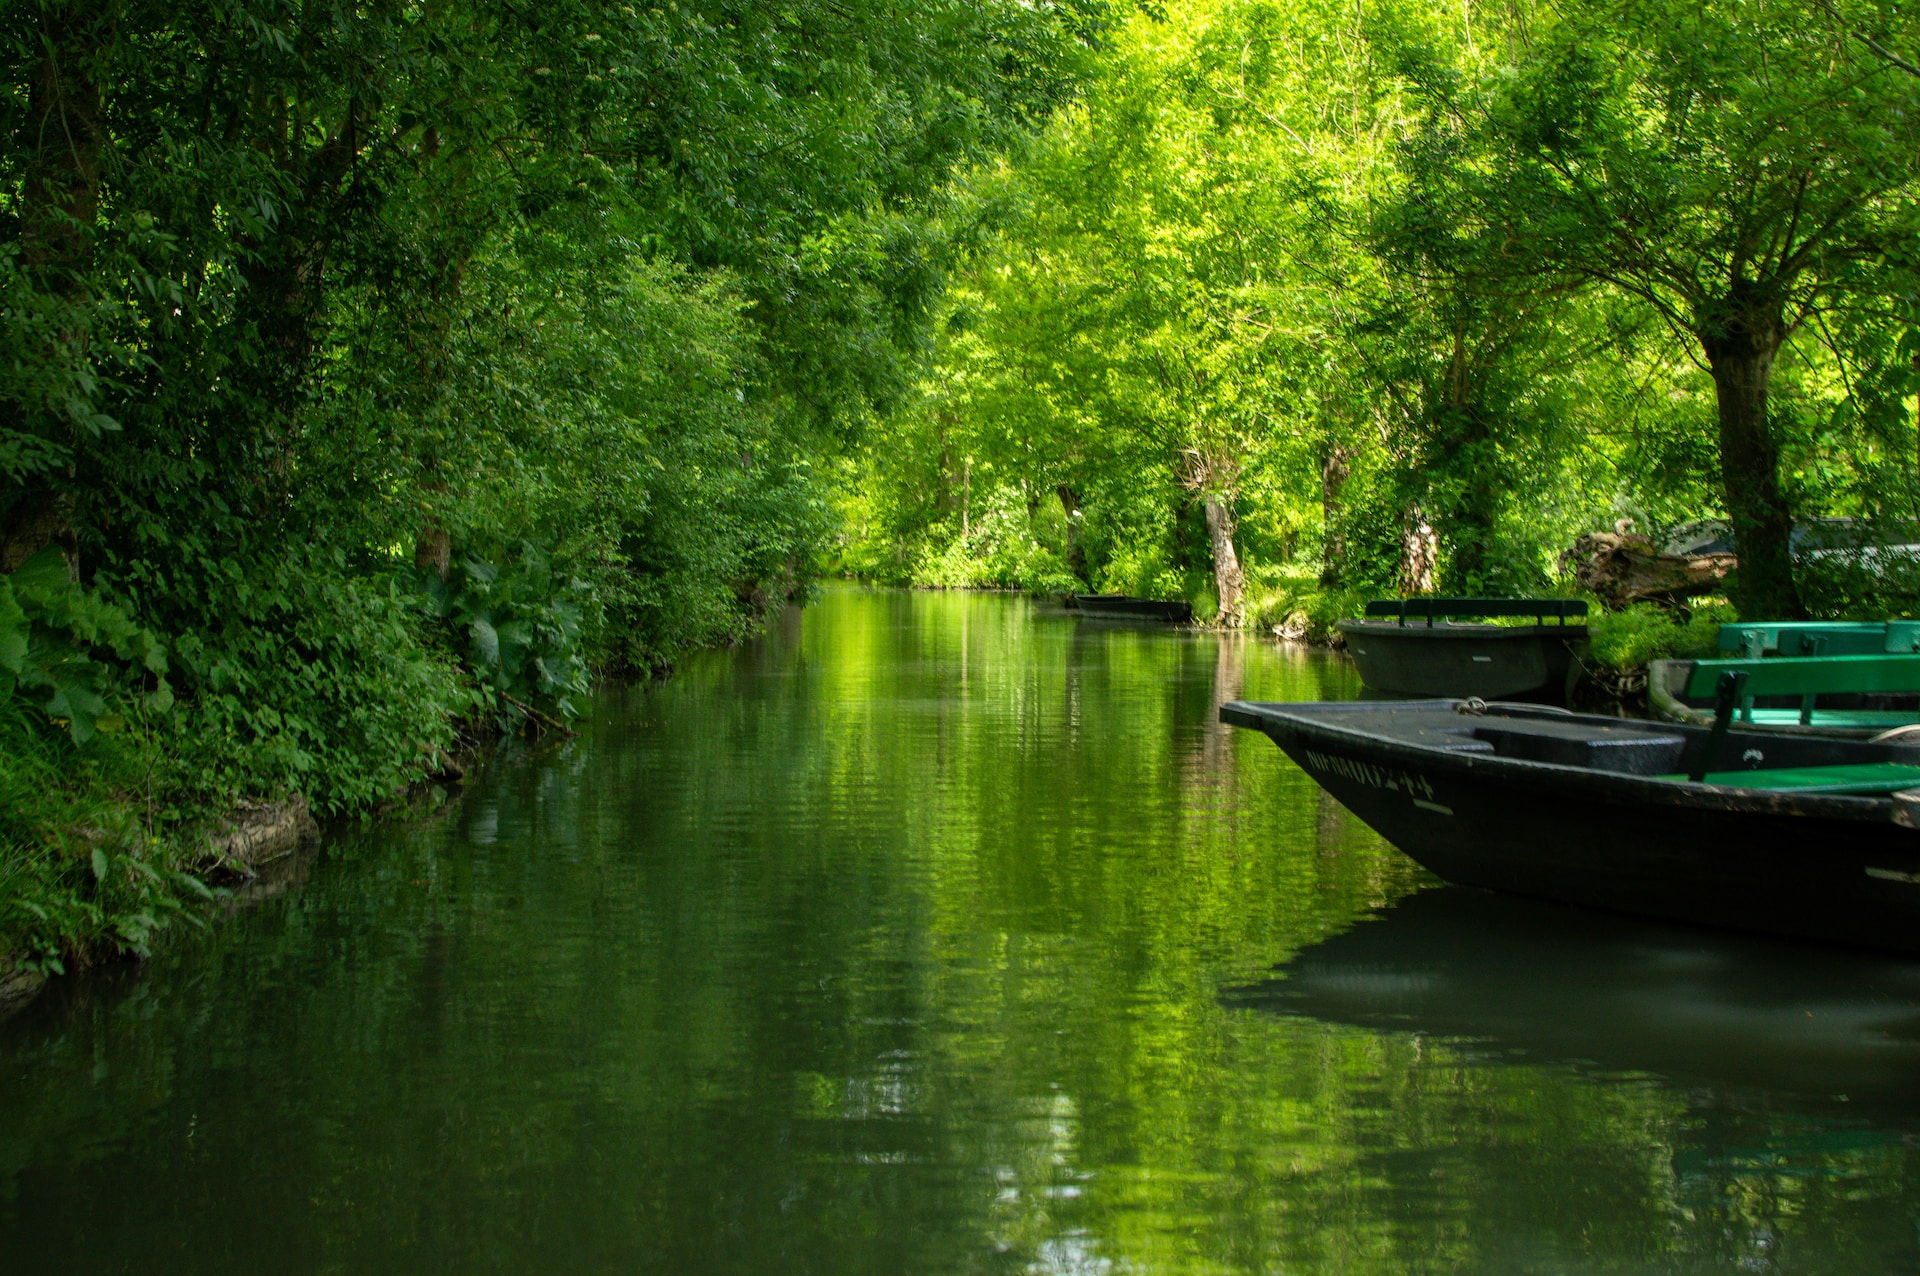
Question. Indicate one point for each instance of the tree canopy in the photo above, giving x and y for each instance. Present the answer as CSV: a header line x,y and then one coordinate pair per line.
x,y
1408,296
376,371
380,373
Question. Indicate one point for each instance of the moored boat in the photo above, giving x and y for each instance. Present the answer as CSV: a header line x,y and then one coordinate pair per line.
x,y
1801,837
1840,679
1439,647
1125,606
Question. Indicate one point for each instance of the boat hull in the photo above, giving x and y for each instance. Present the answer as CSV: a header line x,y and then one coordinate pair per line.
x,y
1830,868
1494,662
1124,607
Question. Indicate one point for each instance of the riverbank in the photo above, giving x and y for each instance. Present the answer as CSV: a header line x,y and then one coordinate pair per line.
x,y
195,864
148,771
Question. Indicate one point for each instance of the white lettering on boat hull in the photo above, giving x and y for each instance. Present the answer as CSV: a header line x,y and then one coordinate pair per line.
x,y
1393,780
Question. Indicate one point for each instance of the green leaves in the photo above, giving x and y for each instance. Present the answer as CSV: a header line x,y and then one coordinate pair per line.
x,y
520,625
67,649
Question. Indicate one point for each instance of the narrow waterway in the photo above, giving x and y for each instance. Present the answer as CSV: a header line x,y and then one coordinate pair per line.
x,y
948,933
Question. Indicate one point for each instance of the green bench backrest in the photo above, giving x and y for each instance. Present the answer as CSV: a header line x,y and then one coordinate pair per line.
x,y
1817,675
1804,638
1821,638
1561,609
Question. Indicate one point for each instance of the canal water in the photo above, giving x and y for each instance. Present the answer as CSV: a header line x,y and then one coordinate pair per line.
x,y
948,933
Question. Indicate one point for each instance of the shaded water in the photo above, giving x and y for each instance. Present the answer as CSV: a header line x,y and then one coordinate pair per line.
x,y
938,933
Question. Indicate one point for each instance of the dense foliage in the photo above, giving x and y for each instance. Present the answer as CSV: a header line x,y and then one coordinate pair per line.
x,y
374,370
377,373
1302,298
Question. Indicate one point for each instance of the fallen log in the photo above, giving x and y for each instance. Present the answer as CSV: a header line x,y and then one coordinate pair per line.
x,y
1624,567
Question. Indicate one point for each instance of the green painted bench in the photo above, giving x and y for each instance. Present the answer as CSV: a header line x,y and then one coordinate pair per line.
x,y
1807,677
1733,684
1405,609
1821,638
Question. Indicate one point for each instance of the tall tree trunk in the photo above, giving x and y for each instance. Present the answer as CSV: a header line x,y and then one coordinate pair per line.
x,y
1418,550
1228,581
1076,555
966,500
1740,343
1335,464
434,549
283,303
1467,519
62,188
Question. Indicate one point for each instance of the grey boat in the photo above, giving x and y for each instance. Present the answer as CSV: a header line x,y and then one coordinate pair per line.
x,y
1438,647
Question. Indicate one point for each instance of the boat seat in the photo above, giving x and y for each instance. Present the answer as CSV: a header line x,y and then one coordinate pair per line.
x,y
1808,676
1458,740
1738,682
1735,683
1619,750
1821,638
1860,718
1854,777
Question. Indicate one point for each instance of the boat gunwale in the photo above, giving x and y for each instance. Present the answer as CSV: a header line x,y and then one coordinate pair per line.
x,y
1454,629
1507,772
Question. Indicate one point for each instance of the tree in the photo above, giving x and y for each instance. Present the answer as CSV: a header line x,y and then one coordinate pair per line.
x,y
1743,169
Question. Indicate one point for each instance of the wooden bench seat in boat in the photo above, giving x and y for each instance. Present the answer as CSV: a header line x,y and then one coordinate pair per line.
x,y
1807,678
1735,683
1816,675
1797,638
1621,750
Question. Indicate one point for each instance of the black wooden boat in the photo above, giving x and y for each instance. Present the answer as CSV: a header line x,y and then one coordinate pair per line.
x,y
1127,607
1793,836
1506,976
1431,647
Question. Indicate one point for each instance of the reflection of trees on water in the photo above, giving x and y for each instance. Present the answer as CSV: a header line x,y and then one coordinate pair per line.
x,y
1229,670
1330,825
805,961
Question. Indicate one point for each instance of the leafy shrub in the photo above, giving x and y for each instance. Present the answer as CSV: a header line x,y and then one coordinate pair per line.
x,y
1642,633
516,627
81,859
1295,602
297,675
1002,550
65,649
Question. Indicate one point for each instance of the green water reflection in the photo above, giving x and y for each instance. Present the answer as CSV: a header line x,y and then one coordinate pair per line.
x,y
914,938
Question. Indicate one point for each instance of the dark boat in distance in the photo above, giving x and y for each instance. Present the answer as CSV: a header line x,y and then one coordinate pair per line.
x,y
1790,836
1127,607
1401,650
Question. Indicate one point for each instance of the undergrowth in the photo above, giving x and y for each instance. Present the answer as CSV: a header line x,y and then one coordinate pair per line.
x,y
123,743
